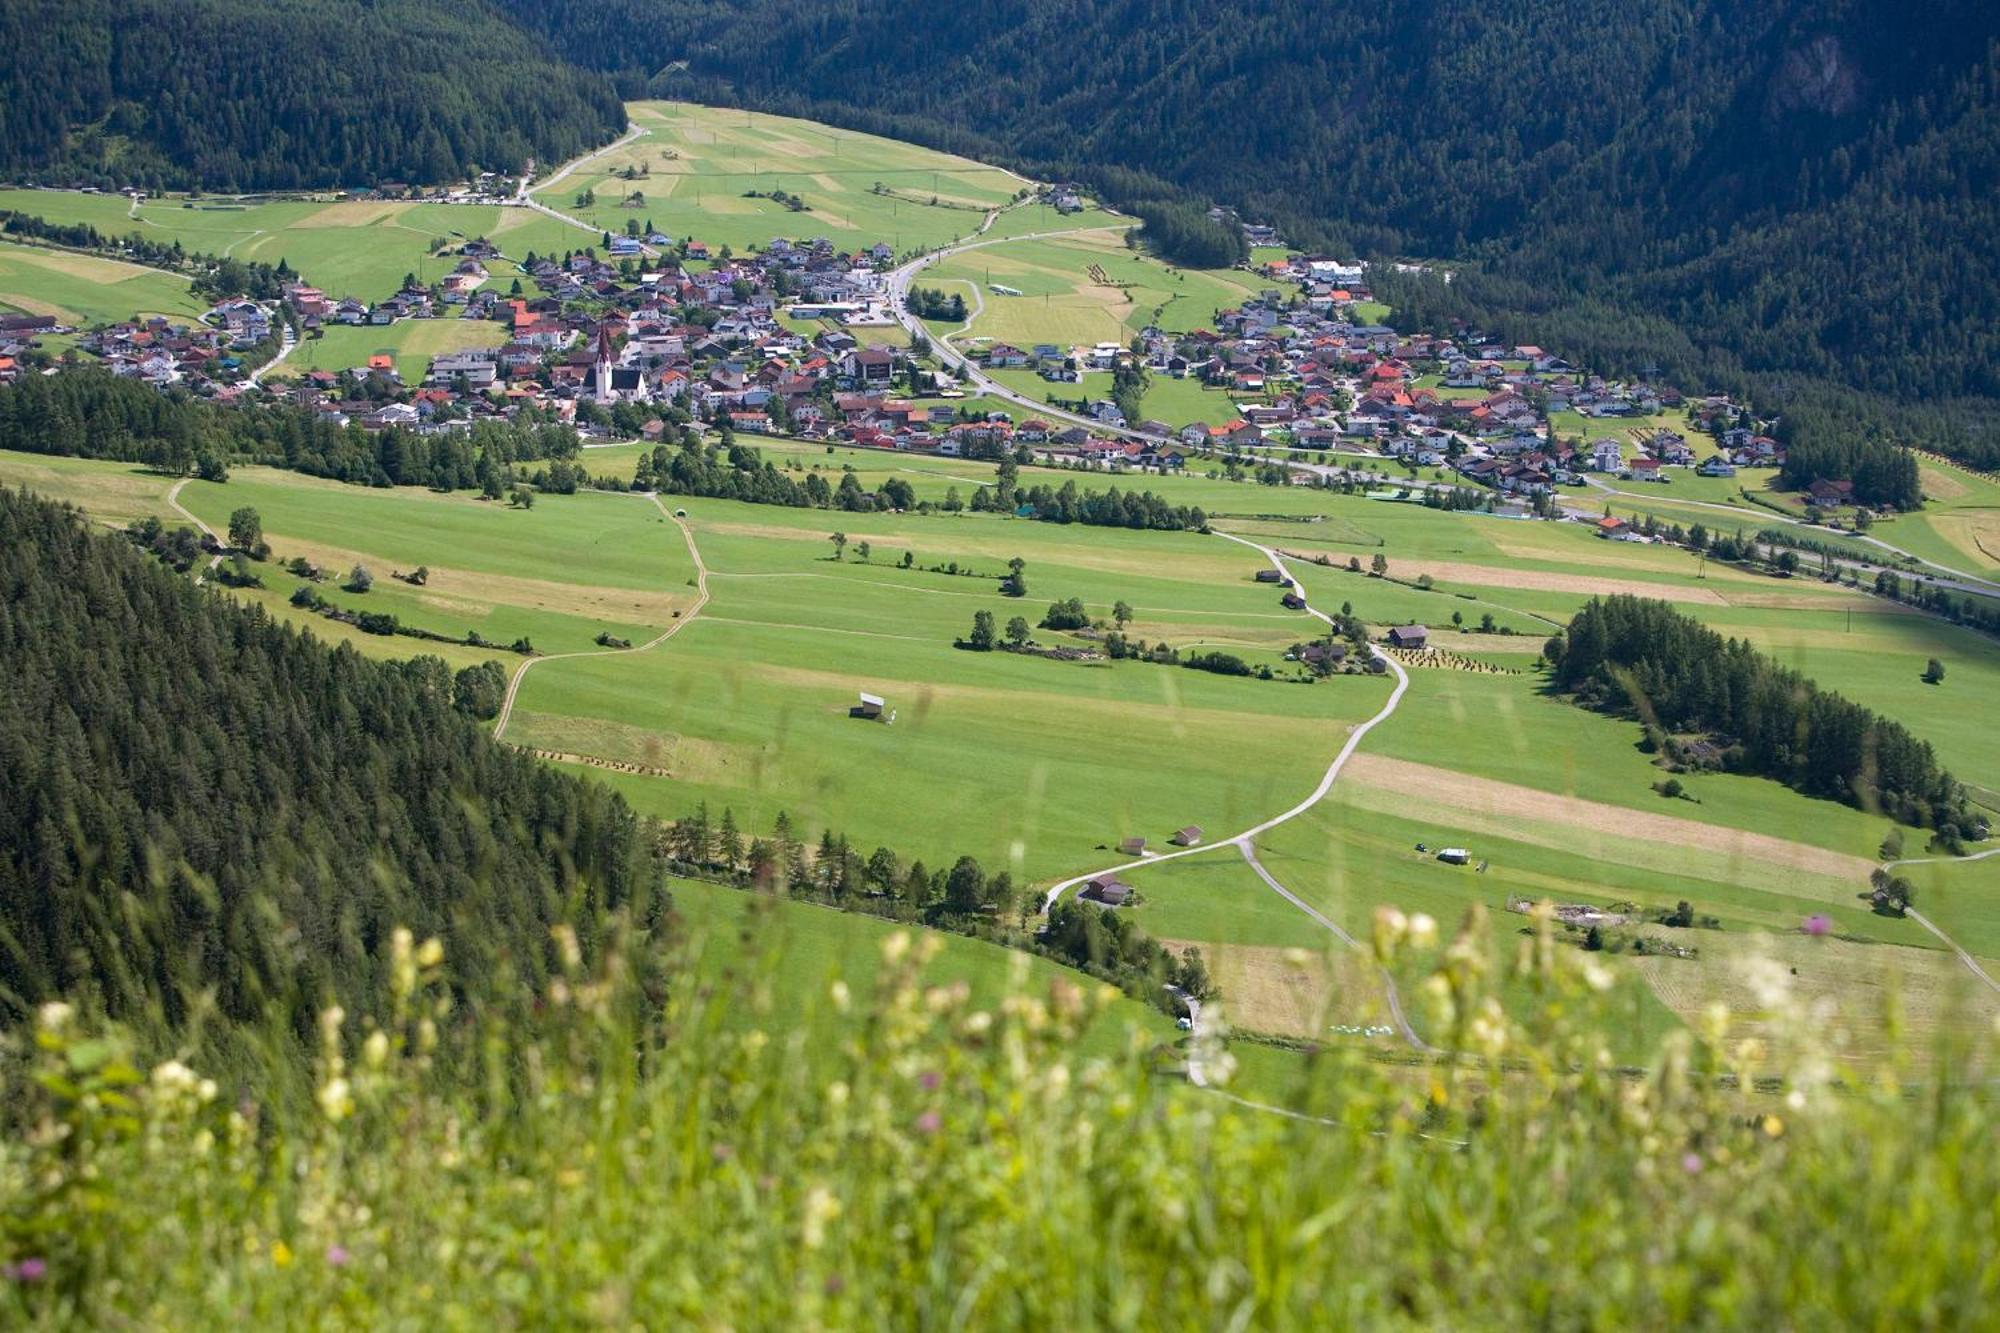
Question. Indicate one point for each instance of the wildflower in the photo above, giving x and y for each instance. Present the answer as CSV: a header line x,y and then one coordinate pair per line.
x,y
841,996
430,953
821,1208
281,1254
835,1284
54,1016
929,1122
1819,923
1691,1163
1773,1127
337,1256
567,947
1597,976
1391,926
336,1099
929,1080
28,1270
721,1152
376,1049
895,947
1423,931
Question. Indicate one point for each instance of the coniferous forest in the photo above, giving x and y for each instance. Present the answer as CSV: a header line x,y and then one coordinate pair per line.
x,y
203,805
238,95
1632,654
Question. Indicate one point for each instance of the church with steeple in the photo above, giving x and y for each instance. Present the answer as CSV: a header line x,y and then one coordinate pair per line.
x,y
610,382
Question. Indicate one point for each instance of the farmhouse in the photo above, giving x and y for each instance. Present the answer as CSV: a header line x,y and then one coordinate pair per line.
x,y
1108,890
1408,636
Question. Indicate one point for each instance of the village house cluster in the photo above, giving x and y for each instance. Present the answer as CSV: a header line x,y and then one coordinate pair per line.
x,y
654,331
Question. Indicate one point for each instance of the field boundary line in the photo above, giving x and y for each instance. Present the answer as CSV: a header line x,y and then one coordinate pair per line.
x,y
701,600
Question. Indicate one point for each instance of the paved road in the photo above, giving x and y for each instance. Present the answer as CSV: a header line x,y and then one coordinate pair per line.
x,y
284,350
1246,840
1318,793
701,600
524,196
958,362
1956,580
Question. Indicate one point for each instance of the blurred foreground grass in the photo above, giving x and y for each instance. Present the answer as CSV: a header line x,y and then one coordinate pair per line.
x,y
622,1157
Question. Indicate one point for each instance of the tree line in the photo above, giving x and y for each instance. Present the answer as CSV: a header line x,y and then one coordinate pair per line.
x,y
215,277
1643,658
95,414
963,898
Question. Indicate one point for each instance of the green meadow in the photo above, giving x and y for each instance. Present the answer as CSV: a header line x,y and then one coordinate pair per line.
x,y
359,248
412,342
81,290
702,166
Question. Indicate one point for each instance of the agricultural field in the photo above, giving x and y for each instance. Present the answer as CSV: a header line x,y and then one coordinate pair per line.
x,y
1050,764
359,248
1082,289
412,342
1959,525
81,290
701,165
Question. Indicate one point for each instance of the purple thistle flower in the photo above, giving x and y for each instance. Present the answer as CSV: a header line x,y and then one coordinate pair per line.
x,y
28,1270
1819,924
337,1256
929,1080
929,1122
1691,1163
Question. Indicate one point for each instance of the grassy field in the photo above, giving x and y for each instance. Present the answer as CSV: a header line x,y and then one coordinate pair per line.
x,y
1049,764
1046,760
1085,289
701,164
1959,525
348,248
82,290
736,932
413,342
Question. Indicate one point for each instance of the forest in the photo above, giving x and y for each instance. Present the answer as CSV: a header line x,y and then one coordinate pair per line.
x,y
211,816
237,95
1641,657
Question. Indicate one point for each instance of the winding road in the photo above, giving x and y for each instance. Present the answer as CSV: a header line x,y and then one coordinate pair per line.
x,y
1245,842
524,197
701,599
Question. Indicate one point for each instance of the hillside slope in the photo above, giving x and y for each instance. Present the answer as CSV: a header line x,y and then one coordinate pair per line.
x,y
202,804
242,95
